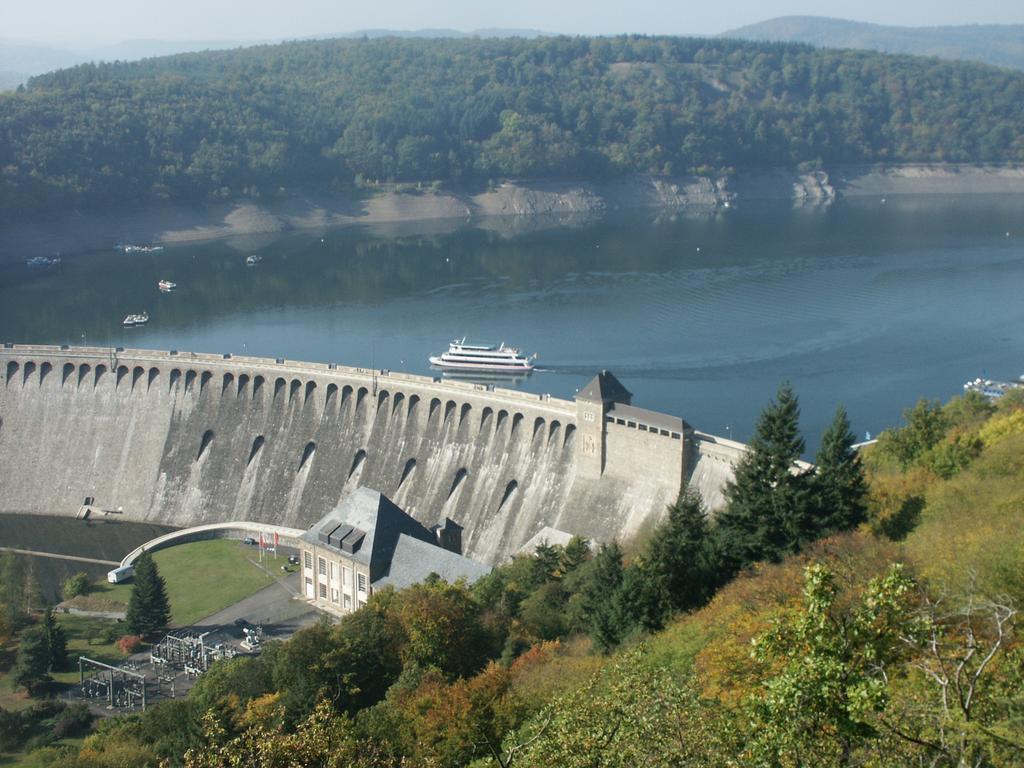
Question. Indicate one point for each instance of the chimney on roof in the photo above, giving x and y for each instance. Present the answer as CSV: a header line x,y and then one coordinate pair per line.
x,y
449,535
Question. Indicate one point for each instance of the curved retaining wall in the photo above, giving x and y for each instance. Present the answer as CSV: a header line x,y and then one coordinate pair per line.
x,y
187,439
235,529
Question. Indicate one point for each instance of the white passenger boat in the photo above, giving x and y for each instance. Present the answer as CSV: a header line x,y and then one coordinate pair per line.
x,y
482,357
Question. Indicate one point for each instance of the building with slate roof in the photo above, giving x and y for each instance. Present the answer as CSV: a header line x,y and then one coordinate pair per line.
x,y
367,542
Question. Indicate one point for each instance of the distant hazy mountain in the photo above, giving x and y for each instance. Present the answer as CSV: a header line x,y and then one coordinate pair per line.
x,y
19,59
438,33
1002,45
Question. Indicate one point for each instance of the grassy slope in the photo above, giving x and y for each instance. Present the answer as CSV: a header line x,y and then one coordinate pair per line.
x,y
971,530
202,578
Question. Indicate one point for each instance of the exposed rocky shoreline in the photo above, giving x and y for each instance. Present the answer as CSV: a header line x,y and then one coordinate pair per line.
x,y
544,198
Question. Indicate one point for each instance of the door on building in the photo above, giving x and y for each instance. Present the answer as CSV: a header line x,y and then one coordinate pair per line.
x,y
310,593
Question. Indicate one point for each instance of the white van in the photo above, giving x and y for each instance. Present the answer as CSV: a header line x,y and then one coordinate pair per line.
x,y
118,575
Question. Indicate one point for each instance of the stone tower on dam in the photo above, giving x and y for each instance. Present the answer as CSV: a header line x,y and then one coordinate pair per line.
x,y
184,439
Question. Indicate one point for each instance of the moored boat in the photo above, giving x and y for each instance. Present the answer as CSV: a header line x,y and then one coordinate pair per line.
x,y
499,358
166,285
251,261
139,319
43,261
994,390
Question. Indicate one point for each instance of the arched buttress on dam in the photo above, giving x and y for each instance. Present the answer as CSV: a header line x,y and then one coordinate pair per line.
x,y
187,439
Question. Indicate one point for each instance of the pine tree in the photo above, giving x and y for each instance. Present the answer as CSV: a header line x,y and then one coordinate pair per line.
x,y
680,558
575,554
12,591
641,602
148,608
56,640
546,558
768,504
33,660
839,484
603,581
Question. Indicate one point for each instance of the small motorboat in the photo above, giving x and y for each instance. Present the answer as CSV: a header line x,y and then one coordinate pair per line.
x,y
42,262
252,261
166,286
132,320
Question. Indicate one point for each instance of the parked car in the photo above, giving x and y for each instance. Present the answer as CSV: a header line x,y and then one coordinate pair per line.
x,y
293,559
250,541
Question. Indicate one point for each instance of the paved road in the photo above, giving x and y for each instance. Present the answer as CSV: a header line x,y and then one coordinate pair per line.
x,y
276,607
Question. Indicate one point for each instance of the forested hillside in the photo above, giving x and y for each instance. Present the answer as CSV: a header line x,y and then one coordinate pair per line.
x,y
338,113
863,614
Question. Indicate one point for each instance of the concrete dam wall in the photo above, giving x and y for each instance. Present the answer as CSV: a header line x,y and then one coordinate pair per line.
x,y
185,439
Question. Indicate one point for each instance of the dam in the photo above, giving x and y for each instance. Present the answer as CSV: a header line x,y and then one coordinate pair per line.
x,y
186,439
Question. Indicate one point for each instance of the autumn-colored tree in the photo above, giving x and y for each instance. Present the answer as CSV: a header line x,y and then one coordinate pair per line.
x,y
441,627
630,713
831,666
321,740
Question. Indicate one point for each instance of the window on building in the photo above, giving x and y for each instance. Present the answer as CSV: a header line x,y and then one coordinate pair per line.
x,y
334,571
321,566
345,578
308,560
362,582
334,595
348,602
362,603
323,591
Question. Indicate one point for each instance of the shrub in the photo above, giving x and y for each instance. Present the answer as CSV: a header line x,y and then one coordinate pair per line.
x,y
129,644
73,721
76,585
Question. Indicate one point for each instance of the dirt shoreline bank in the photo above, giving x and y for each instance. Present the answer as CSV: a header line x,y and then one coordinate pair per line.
x,y
544,198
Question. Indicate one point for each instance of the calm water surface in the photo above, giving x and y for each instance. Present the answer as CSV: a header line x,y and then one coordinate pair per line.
x,y
867,304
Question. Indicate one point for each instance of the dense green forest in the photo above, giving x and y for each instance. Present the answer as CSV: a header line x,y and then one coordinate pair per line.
x,y
342,113
865,613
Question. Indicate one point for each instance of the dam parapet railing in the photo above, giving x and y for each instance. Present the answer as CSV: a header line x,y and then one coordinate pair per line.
x,y
372,376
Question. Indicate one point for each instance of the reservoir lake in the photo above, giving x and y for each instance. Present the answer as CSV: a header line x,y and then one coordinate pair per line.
x,y
868,303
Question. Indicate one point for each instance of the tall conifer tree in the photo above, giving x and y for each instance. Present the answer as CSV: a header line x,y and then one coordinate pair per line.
x,y
840,487
604,580
56,640
768,501
680,556
148,608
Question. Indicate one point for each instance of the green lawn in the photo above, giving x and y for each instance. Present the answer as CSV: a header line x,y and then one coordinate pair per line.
x,y
88,636
202,578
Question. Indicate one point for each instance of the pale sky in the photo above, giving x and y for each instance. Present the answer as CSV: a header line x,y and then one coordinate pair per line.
x,y
112,20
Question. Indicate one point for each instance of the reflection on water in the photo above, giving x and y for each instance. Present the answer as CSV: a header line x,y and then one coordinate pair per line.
x,y
701,316
491,378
